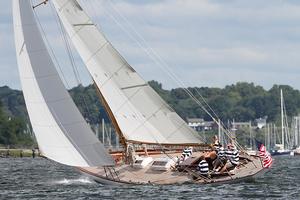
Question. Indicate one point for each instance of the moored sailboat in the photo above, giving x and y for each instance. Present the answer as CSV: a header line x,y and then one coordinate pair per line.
x,y
281,149
142,119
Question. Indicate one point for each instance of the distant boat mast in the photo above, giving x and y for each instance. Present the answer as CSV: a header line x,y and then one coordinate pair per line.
x,y
282,125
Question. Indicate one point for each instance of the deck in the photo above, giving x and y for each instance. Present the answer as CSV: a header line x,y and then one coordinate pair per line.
x,y
130,175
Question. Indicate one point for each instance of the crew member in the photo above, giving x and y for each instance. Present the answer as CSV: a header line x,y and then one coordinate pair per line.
x,y
203,166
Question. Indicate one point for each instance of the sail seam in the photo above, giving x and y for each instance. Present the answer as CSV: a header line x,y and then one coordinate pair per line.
x,y
25,24
78,30
36,50
84,145
39,77
84,24
51,101
96,52
134,86
64,124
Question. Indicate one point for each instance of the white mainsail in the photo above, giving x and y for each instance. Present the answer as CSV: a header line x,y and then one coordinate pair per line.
x,y
141,114
60,130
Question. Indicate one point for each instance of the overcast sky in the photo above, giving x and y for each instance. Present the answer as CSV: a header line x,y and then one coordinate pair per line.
x,y
204,42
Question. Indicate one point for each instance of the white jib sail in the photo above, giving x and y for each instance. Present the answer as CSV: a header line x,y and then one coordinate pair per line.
x,y
140,112
60,130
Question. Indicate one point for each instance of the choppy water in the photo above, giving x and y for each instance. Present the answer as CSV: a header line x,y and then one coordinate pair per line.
x,y
42,179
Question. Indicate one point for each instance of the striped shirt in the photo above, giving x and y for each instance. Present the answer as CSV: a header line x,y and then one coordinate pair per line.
x,y
221,153
203,167
233,156
187,152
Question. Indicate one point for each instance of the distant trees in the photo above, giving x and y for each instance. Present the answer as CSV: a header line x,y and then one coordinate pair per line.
x,y
13,131
241,101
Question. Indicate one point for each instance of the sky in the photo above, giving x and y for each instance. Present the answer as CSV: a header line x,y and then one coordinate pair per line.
x,y
199,43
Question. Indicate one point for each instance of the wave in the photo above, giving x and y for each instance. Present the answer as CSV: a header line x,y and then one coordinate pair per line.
x,y
65,181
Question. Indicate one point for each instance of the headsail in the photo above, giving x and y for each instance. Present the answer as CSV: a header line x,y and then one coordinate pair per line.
x,y
61,132
140,112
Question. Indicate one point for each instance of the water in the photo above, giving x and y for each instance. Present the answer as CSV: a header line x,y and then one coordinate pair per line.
x,y
42,179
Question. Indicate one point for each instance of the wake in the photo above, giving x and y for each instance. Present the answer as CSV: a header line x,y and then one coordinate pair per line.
x,y
83,180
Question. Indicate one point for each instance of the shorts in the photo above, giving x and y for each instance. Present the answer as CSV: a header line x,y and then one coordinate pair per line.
x,y
230,165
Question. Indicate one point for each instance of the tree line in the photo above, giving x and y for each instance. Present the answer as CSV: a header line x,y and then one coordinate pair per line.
x,y
241,101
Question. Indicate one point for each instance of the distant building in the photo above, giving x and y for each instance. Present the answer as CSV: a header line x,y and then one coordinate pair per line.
x,y
240,125
261,122
200,125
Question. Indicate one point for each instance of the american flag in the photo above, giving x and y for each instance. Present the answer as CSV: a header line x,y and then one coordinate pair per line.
x,y
265,155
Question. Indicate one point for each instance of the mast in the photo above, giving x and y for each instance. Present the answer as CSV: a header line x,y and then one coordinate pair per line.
x,y
268,137
282,123
297,132
113,120
219,131
103,131
251,137
275,134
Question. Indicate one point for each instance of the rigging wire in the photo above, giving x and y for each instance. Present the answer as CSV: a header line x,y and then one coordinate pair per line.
x,y
286,126
48,46
74,67
165,67
67,45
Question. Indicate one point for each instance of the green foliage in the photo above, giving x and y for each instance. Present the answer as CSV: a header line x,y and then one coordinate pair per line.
x,y
13,131
241,101
13,102
88,102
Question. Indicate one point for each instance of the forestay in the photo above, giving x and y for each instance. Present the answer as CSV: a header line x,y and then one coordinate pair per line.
x,y
60,130
140,112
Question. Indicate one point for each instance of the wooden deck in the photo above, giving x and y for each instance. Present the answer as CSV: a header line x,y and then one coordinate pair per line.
x,y
130,175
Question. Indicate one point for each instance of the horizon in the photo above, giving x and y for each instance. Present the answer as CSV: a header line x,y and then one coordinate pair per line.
x,y
205,43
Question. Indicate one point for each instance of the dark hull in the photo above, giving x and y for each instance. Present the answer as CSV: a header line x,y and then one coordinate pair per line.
x,y
276,153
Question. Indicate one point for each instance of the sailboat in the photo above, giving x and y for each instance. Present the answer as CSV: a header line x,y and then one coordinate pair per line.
x,y
295,139
281,149
151,132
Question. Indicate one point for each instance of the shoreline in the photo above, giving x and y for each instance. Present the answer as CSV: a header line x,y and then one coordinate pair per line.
x,y
18,153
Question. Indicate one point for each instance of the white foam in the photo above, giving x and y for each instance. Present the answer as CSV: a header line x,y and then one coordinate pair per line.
x,y
65,181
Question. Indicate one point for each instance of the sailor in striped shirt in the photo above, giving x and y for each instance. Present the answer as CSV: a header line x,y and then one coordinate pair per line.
x,y
221,159
187,152
203,166
232,155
